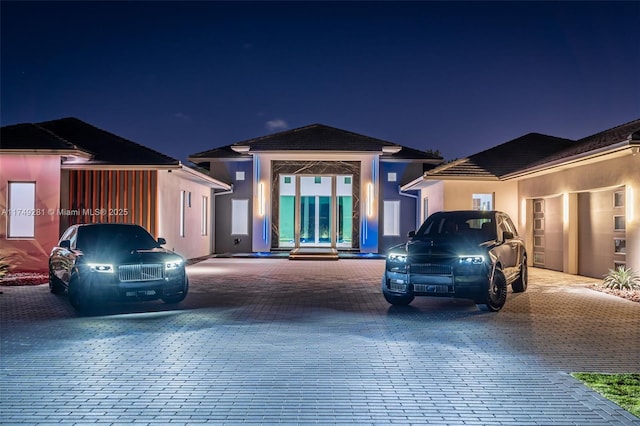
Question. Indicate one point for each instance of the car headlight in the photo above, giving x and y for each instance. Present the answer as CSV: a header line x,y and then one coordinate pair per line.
x,y
100,267
397,258
470,259
173,265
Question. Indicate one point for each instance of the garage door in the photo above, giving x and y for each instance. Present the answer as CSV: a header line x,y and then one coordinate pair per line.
x,y
547,233
601,231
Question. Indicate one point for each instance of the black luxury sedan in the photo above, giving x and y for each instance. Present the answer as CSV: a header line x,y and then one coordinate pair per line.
x,y
467,254
99,261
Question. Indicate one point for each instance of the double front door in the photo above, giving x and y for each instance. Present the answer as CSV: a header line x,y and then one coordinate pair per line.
x,y
315,211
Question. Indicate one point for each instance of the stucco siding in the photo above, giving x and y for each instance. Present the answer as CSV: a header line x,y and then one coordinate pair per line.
x,y
225,240
31,254
392,176
458,195
193,243
594,184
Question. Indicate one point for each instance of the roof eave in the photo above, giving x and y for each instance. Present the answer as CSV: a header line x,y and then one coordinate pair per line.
x,y
214,183
492,178
102,166
618,148
61,152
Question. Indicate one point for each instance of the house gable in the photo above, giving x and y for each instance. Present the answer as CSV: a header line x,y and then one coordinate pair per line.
x,y
106,147
499,161
315,138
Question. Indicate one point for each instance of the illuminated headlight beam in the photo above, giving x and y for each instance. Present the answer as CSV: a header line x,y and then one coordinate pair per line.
x,y
176,264
100,267
471,259
397,258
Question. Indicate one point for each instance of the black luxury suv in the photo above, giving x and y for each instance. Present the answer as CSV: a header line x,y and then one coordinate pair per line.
x,y
468,254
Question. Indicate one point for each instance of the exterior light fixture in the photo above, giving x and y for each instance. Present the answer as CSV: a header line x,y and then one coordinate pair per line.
x,y
369,199
629,204
261,208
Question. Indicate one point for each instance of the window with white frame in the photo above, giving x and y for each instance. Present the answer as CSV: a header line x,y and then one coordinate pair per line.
x,y
239,217
482,201
183,203
425,208
204,221
391,218
22,213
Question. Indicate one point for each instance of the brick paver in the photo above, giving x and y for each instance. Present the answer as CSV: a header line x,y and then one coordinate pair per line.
x,y
264,341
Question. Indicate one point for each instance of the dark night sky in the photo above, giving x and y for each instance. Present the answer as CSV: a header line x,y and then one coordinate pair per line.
x,y
454,76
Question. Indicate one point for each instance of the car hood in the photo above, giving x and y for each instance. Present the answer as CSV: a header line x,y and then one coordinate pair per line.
x,y
154,255
445,246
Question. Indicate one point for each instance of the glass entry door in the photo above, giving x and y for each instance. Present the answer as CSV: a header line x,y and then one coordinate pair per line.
x,y
316,218
315,211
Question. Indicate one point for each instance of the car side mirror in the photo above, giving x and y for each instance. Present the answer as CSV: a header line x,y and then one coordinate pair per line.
x,y
411,234
66,244
507,235
161,241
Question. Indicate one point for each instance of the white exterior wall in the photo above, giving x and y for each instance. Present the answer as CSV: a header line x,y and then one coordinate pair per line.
x,y
458,195
434,192
193,244
612,172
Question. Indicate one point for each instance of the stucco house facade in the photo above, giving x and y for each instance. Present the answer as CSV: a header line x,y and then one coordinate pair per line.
x,y
57,173
315,187
575,202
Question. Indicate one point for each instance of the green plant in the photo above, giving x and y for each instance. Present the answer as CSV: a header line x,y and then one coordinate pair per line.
x,y
622,279
623,389
4,266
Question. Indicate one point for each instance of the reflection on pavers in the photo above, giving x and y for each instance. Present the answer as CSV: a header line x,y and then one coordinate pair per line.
x,y
269,341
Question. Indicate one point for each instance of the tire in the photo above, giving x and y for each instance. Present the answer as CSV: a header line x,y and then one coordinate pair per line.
x,y
496,294
177,298
55,286
79,296
398,300
520,284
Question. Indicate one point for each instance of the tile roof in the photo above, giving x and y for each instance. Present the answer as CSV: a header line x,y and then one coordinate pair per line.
x,y
628,132
315,137
106,147
28,136
503,159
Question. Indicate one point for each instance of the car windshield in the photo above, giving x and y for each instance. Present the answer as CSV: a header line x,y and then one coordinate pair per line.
x,y
472,226
114,237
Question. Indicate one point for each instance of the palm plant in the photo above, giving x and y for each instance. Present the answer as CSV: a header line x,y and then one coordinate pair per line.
x,y
622,279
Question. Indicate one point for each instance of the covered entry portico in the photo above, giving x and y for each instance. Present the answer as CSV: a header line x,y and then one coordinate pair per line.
x,y
315,207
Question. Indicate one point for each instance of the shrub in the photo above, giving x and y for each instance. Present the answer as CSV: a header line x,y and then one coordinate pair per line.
x,y
4,266
622,279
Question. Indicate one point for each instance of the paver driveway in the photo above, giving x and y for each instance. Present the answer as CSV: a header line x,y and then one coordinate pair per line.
x,y
269,341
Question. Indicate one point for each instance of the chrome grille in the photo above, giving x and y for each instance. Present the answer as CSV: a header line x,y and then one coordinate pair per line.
x,y
430,269
429,288
141,272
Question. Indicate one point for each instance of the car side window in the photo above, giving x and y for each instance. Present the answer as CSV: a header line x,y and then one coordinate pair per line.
x,y
505,225
72,238
69,234
510,225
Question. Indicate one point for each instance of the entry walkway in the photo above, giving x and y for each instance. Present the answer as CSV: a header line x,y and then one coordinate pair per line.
x,y
269,341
